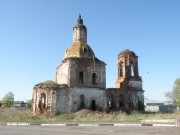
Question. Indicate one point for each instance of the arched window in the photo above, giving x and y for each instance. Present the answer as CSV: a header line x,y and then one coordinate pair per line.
x,y
132,68
94,78
81,77
121,69
85,50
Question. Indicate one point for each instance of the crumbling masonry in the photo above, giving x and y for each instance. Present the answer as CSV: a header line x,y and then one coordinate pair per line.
x,y
81,82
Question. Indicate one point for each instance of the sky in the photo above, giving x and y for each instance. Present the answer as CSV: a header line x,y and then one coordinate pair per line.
x,y
34,34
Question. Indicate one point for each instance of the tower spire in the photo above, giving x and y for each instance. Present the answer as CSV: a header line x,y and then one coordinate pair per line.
x,y
80,21
80,31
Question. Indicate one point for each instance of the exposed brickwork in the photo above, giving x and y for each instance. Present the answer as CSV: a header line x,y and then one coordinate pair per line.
x,y
68,100
128,74
124,100
87,66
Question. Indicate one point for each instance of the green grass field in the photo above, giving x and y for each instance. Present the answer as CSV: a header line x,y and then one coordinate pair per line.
x,y
83,116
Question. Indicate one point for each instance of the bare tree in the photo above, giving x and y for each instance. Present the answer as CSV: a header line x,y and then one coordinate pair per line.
x,y
170,95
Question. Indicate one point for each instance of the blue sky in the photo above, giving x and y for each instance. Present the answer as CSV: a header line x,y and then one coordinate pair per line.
x,y
34,35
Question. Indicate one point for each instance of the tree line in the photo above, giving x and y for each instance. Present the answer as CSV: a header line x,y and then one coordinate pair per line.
x,y
8,100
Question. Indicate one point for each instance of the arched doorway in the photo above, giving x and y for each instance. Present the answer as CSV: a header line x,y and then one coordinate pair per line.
x,y
82,103
121,101
111,104
42,102
93,105
130,104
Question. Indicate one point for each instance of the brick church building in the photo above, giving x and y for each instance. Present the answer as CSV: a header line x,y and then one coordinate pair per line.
x,y
80,82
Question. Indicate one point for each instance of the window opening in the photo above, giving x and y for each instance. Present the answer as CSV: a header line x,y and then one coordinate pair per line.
x,y
81,77
121,69
94,78
132,68
85,50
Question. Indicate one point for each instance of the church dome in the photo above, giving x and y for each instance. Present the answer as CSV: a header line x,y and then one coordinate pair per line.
x,y
79,49
127,51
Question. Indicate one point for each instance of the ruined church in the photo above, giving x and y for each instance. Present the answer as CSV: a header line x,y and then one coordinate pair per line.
x,y
80,82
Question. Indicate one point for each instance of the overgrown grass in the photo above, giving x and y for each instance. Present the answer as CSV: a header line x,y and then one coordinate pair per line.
x,y
83,116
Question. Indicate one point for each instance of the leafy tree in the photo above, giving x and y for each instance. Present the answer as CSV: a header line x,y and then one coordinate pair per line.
x,y
29,103
174,95
176,91
8,99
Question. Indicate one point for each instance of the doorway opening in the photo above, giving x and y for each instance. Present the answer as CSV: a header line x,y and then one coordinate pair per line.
x,y
42,102
82,103
93,105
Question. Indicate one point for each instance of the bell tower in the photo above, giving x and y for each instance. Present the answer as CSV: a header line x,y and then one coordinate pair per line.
x,y
80,31
128,74
80,67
